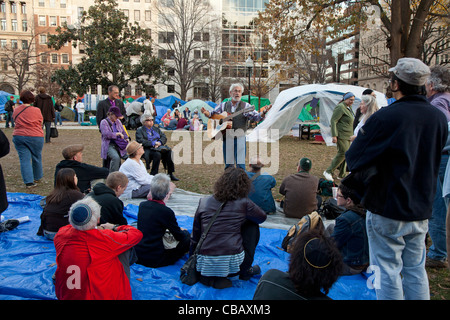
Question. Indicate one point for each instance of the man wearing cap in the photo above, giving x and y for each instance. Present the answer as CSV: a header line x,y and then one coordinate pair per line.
x,y
113,100
401,146
300,191
261,192
341,131
153,140
9,108
86,173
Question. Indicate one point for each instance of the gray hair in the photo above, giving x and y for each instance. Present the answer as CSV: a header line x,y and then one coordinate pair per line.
x,y
234,85
440,78
94,206
160,186
371,103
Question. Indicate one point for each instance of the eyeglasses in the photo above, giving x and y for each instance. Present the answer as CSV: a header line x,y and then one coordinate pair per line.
x,y
340,196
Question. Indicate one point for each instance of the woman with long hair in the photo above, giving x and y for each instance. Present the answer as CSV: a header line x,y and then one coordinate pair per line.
x,y
58,202
229,246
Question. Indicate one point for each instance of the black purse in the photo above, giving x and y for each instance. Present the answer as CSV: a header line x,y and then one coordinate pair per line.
x,y
189,274
53,132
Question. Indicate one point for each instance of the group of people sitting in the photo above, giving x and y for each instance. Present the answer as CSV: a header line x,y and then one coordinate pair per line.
x,y
89,230
115,142
182,121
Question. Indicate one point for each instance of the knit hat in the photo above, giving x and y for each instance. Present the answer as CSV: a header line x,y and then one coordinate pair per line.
x,y
412,71
348,95
84,214
305,164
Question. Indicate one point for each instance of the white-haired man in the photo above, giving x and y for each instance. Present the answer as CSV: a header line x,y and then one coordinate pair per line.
x,y
234,146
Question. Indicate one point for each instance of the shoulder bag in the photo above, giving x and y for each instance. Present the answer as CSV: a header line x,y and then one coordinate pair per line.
x,y
189,274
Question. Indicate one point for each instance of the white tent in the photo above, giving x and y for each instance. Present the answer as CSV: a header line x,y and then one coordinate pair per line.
x,y
289,103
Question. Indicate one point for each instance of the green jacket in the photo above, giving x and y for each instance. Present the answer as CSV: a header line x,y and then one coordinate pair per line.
x,y
342,122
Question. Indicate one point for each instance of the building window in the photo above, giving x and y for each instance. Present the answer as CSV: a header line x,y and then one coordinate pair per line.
x,y
137,15
52,21
24,44
14,44
42,39
4,64
62,4
65,58
13,7
41,3
2,7
24,25
3,24
42,21
44,58
3,43
126,12
62,21
170,88
14,24
148,15
54,58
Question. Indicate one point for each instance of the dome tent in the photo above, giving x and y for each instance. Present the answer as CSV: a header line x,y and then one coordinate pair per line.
x,y
289,104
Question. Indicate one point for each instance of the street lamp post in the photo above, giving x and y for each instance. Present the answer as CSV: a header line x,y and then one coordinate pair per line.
x,y
249,65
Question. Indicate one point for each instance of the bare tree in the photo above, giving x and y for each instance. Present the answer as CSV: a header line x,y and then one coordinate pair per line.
x,y
20,60
183,35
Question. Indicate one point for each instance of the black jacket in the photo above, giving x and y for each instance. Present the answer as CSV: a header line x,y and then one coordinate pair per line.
x,y
224,237
141,136
4,150
153,220
85,173
112,207
402,143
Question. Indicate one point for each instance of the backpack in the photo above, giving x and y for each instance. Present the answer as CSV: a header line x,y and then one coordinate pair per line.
x,y
8,105
330,210
325,187
306,223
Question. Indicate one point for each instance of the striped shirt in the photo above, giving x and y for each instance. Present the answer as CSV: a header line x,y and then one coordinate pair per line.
x,y
219,266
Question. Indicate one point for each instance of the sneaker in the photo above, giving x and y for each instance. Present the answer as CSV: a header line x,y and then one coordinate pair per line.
x,y
9,225
327,176
438,264
253,271
30,185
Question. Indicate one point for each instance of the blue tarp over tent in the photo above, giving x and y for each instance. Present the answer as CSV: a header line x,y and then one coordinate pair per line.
x,y
27,263
4,96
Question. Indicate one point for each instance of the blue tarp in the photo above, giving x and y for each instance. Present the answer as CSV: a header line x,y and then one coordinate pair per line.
x,y
27,263
4,96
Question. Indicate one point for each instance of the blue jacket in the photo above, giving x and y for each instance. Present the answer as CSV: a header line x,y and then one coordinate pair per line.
x,y
351,238
261,192
402,144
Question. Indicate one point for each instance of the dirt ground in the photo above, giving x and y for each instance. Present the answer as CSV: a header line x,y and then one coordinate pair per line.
x,y
198,178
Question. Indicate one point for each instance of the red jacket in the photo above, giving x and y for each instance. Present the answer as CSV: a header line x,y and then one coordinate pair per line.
x,y
88,267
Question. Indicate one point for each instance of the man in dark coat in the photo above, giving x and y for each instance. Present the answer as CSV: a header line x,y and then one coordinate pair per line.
x,y
400,146
112,100
44,102
86,173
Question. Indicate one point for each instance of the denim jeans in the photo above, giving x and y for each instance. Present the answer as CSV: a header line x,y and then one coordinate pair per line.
x,y
9,118
436,224
234,150
80,117
29,150
397,250
58,118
